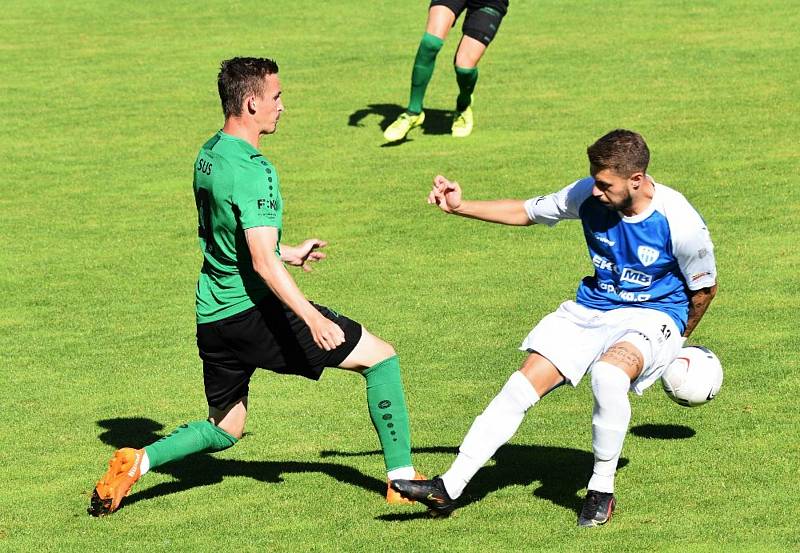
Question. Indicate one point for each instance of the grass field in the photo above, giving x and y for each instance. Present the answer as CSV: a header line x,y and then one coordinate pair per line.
x,y
104,105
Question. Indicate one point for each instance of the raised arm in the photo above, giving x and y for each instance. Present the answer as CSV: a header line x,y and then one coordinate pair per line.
x,y
446,195
262,241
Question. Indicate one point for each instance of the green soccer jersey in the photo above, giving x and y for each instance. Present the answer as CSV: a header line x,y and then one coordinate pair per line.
x,y
235,188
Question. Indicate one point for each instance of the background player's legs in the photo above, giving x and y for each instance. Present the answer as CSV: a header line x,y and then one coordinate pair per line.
x,y
377,361
440,20
480,27
466,61
500,420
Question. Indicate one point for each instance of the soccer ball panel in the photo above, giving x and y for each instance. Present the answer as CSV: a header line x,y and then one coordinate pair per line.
x,y
694,378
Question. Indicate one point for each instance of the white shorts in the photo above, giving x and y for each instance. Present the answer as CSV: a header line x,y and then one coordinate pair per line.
x,y
574,337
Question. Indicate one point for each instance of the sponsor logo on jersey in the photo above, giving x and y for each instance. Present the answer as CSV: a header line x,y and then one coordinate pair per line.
x,y
698,276
633,296
647,255
603,264
603,239
636,277
267,203
624,295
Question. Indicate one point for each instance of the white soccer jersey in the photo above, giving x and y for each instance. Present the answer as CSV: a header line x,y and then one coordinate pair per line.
x,y
648,260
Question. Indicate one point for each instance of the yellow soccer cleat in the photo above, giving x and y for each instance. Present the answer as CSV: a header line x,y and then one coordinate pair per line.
x,y
463,123
402,126
394,498
124,469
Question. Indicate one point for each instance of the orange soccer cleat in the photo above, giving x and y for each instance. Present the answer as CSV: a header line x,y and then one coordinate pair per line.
x,y
123,472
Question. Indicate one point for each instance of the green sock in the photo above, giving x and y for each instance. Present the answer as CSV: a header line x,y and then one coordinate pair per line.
x,y
429,46
194,437
387,409
466,77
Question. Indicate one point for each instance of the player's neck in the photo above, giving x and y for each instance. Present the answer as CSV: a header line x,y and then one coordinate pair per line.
x,y
642,199
238,127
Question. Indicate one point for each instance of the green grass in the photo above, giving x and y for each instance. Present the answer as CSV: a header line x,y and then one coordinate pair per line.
x,y
104,105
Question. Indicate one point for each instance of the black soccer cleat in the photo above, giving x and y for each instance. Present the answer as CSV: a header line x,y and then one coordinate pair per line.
x,y
597,509
430,493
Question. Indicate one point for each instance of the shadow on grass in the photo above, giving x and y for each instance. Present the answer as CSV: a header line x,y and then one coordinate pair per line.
x,y
203,469
663,431
561,473
437,121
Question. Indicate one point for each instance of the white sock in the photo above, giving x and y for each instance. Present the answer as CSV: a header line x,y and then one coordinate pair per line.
x,y
144,466
493,428
612,413
403,473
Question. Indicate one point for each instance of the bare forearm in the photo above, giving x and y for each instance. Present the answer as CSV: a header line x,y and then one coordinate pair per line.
x,y
284,287
699,300
506,212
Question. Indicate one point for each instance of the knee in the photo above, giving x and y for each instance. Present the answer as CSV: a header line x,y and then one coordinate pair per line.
x,y
385,349
464,60
231,419
430,45
234,428
376,349
608,381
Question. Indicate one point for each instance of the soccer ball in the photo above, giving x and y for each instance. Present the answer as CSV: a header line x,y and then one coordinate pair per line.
x,y
694,378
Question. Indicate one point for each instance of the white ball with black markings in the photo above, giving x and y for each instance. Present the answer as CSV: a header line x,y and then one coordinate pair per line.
x,y
694,378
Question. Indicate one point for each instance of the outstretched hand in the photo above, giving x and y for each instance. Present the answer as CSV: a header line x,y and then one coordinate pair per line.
x,y
445,194
304,254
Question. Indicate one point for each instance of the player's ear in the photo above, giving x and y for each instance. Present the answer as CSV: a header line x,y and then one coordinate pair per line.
x,y
251,105
637,179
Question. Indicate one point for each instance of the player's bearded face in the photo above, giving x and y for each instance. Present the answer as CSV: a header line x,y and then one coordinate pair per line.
x,y
612,190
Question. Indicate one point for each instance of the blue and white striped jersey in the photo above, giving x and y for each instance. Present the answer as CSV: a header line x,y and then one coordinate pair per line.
x,y
648,260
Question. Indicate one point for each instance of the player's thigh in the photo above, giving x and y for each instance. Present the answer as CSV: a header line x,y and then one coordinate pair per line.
x,y
442,15
541,373
226,379
647,334
570,338
369,351
288,347
232,418
628,353
480,26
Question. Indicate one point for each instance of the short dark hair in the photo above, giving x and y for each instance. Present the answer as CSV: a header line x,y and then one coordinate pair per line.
x,y
624,152
240,77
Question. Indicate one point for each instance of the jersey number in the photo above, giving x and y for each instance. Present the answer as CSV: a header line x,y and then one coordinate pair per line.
x,y
204,218
666,332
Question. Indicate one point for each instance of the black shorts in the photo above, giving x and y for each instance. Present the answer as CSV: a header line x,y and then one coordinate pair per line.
x,y
483,16
268,336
